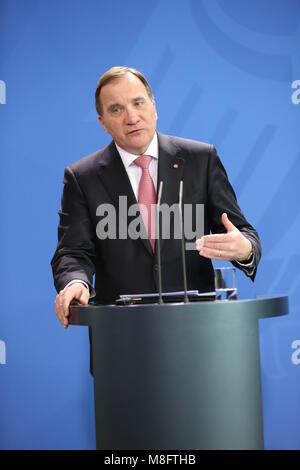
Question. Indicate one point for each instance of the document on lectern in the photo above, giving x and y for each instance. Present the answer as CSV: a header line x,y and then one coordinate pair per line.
x,y
193,296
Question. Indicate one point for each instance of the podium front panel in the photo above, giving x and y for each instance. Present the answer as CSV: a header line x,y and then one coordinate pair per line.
x,y
178,376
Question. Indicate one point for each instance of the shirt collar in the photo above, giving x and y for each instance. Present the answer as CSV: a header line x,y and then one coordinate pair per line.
x,y
128,158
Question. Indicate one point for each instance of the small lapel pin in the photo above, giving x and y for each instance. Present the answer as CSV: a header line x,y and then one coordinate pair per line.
x,y
175,166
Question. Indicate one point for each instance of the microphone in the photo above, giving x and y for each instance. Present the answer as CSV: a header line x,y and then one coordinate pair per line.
x,y
186,299
160,299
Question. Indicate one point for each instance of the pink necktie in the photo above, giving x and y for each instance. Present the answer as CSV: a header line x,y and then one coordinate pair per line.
x,y
146,197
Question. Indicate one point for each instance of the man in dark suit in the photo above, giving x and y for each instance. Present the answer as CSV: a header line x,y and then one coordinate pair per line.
x,y
123,264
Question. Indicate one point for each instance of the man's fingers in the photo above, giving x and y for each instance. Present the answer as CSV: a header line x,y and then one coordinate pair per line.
x,y
224,246
84,297
215,254
226,222
218,241
64,298
59,309
213,240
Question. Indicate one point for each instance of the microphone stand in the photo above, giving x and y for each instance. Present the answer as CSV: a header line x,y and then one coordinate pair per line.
x,y
186,299
160,299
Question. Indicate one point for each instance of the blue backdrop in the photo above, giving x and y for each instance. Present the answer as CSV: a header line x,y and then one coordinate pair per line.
x,y
222,71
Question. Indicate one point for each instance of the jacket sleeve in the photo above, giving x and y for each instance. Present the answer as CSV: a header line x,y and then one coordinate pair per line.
x,y
222,198
74,257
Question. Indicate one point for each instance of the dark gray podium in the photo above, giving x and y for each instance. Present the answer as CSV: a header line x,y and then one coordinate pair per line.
x,y
178,376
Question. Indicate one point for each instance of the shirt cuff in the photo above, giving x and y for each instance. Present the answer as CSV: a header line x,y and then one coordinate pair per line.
x,y
77,280
249,267
246,265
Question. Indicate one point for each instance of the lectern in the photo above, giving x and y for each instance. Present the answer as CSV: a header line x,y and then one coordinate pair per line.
x,y
178,376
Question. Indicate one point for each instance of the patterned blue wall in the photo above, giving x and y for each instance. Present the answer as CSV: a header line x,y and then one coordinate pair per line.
x,y
223,71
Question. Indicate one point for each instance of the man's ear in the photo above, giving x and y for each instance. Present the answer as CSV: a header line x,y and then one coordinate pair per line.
x,y
100,119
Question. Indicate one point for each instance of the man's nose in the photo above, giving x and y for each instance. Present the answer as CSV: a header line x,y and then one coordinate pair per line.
x,y
131,116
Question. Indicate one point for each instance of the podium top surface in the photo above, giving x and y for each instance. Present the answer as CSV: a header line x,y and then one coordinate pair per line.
x,y
259,308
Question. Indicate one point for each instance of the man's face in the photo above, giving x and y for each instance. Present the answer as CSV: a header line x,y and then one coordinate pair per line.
x,y
128,114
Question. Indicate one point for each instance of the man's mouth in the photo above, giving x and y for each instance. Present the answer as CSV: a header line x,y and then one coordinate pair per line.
x,y
135,131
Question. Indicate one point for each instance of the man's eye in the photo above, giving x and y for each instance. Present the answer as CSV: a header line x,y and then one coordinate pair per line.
x,y
115,109
139,103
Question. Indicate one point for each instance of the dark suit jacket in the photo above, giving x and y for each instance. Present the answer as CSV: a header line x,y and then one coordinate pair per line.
x,y
129,266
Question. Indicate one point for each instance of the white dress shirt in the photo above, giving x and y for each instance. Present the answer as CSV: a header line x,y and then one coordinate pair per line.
x,y
134,172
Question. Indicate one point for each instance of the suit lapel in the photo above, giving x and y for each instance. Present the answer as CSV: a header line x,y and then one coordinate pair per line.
x,y
114,176
170,170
